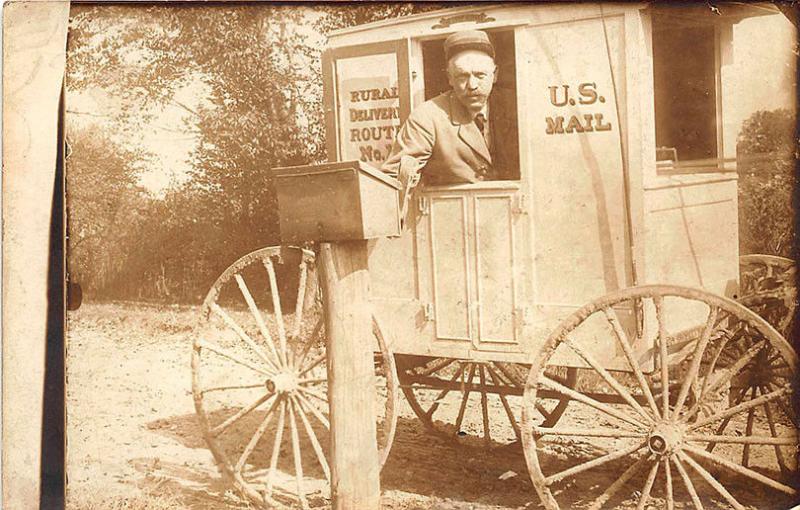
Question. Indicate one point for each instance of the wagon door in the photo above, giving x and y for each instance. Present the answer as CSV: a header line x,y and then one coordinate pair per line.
x,y
473,237
475,234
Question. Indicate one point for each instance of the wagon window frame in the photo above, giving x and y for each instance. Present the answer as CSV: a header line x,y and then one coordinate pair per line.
x,y
507,58
668,158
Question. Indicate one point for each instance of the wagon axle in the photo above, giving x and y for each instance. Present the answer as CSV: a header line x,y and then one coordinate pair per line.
x,y
284,382
665,438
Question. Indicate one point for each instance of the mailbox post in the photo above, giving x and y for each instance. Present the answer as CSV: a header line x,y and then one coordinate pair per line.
x,y
341,205
355,467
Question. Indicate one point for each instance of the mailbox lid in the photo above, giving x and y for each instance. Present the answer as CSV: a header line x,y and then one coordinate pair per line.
x,y
344,166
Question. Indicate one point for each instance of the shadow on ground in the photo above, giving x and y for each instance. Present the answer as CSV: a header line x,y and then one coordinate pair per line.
x,y
455,476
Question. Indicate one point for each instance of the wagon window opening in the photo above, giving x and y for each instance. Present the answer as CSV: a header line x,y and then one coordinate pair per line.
x,y
685,90
502,102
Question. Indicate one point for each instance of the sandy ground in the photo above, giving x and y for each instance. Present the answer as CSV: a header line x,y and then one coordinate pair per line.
x,y
132,428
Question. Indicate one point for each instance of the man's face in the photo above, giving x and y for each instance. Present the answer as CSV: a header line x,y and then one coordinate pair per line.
x,y
472,75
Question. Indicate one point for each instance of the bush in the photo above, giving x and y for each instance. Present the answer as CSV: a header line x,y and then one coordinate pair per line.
x,y
766,148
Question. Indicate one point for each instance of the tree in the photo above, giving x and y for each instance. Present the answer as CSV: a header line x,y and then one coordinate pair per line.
x,y
260,67
102,200
767,180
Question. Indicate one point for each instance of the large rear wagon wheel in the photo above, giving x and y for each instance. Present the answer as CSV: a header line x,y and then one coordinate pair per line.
x,y
473,403
259,379
684,434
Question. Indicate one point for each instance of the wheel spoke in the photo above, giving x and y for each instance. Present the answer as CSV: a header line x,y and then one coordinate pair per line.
x,y
744,406
622,338
300,302
222,427
662,343
697,358
599,461
724,424
668,484
314,441
594,432
487,437
726,375
580,397
749,432
300,358
747,440
317,395
251,445
784,405
503,370
313,410
783,327
740,469
711,481
233,387
242,334
298,460
620,482
276,447
494,377
723,342
443,393
648,486
276,305
774,432
262,327
231,356
621,391
465,392
688,483
319,359
435,367
312,381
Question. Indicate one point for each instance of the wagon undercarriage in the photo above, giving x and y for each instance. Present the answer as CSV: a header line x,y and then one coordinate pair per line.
x,y
723,432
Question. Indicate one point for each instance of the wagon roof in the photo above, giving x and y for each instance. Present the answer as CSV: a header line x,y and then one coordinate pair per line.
x,y
424,15
731,11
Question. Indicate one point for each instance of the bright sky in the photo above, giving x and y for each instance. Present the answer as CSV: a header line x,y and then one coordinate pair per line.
x,y
763,62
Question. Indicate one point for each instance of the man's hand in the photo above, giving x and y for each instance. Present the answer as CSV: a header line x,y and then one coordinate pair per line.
x,y
408,175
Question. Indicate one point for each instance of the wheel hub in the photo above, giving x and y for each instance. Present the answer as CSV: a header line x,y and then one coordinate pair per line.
x,y
665,438
284,382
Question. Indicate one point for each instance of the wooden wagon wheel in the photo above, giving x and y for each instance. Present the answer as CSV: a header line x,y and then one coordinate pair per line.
x,y
767,285
259,379
685,434
475,403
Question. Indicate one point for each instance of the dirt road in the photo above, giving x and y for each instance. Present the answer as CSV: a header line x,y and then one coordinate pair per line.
x,y
133,435
132,428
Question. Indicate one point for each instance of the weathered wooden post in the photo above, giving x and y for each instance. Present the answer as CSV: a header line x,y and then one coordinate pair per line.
x,y
355,468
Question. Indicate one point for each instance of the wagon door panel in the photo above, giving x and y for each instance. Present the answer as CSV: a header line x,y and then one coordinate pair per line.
x,y
474,266
451,272
496,264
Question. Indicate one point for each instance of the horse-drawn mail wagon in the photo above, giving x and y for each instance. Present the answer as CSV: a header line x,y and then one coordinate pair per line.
x,y
588,305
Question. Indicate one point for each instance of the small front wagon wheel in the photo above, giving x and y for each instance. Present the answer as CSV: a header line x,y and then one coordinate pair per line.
x,y
768,287
673,428
473,403
259,380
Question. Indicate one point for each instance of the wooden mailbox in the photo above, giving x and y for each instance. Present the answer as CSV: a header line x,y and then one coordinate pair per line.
x,y
336,202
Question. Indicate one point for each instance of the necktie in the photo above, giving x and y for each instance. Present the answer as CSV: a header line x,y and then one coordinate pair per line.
x,y
480,121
